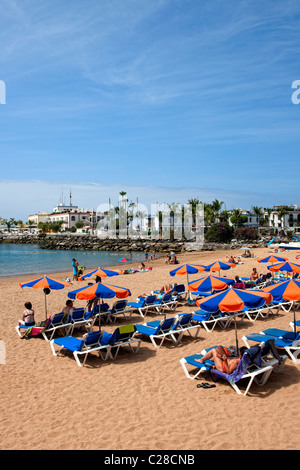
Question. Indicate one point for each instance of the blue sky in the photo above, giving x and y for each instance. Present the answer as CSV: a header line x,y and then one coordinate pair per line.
x,y
167,100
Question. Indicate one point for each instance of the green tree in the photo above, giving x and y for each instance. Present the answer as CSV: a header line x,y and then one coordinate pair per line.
x,y
9,223
258,212
238,218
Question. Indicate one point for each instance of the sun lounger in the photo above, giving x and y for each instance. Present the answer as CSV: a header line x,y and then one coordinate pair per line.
x,y
292,325
119,308
157,330
107,345
143,305
89,343
122,336
255,313
166,302
184,324
79,317
56,322
249,368
283,340
209,320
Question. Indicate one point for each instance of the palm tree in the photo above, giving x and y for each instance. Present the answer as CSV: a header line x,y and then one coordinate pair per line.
x,y
208,214
194,203
9,223
30,223
216,207
237,217
281,213
258,212
224,216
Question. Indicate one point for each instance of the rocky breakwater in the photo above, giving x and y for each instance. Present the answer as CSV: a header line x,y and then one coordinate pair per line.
x,y
84,242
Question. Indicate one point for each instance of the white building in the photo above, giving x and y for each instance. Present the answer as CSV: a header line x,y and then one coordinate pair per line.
x,y
286,221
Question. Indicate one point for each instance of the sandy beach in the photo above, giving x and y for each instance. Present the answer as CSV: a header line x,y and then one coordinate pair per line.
x,y
138,401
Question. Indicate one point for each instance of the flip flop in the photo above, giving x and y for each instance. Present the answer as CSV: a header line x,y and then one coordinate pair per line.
x,y
205,385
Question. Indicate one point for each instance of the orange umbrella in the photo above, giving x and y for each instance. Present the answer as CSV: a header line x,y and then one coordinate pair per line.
x,y
272,259
210,283
234,300
287,290
47,283
102,291
218,265
289,267
100,273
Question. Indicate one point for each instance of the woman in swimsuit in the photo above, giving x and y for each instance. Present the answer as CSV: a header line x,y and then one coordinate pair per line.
x,y
28,315
224,362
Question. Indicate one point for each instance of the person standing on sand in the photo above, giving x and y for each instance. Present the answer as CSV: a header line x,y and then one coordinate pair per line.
x,y
75,272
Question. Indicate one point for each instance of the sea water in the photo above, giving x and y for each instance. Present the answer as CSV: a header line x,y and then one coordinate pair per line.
x,y
18,259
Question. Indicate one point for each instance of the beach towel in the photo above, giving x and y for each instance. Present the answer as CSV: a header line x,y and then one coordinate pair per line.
x,y
237,374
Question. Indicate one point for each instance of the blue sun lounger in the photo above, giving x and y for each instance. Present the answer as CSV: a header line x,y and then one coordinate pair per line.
x,y
90,342
143,304
249,368
283,340
56,322
107,345
210,319
184,324
166,302
156,330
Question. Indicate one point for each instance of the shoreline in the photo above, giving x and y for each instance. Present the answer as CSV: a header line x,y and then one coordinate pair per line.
x,y
69,273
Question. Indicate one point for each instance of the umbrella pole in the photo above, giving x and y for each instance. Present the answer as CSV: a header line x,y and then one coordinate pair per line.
x,y
295,329
187,278
45,306
99,320
236,337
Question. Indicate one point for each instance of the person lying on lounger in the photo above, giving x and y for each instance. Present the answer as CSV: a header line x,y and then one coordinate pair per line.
x,y
222,358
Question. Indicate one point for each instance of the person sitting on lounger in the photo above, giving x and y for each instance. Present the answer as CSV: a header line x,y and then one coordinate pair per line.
x,y
166,288
222,358
28,315
68,307
238,283
254,275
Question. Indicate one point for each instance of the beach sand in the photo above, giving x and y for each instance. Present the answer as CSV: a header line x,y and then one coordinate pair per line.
x,y
138,401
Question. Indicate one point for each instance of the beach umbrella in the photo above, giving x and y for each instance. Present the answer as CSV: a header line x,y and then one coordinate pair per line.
x,y
234,300
286,290
101,273
287,266
245,248
47,284
187,269
272,259
102,291
210,283
298,256
123,260
219,265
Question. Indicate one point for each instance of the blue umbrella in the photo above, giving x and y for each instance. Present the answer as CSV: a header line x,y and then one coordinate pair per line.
x,y
101,273
234,300
187,269
210,283
46,283
102,291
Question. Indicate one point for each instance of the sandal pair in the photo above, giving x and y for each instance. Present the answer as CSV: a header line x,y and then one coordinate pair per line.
x,y
205,385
